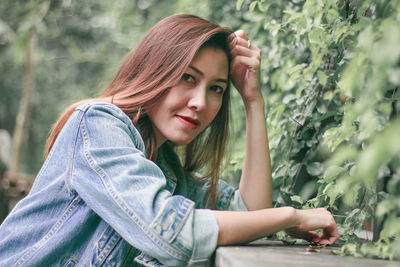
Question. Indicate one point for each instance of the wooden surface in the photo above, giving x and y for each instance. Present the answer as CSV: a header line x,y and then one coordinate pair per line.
x,y
275,253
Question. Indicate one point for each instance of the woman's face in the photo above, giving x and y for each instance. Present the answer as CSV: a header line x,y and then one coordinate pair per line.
x,y
191,105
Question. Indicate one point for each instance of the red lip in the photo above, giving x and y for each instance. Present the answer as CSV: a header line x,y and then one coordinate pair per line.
x,y
189,121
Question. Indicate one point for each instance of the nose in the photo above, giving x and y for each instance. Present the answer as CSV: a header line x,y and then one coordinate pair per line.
x,y
198,98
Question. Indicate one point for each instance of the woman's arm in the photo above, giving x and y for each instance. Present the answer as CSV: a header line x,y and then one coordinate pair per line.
x,y
241,227
255,185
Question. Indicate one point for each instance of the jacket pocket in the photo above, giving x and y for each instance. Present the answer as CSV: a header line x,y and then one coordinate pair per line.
x,y
104,246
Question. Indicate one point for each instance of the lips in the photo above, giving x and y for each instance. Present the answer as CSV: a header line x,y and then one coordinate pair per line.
x,y
189,121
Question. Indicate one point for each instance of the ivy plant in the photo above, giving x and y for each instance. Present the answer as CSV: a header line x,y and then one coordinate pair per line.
x,y
331,76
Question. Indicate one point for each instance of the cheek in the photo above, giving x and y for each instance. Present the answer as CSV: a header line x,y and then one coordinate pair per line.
x,y
175,99
157,112
164,105
152,114
213,109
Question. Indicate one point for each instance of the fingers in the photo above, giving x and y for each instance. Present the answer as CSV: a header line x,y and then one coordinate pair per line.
x,y
330,234
249,56
308,235
321,218
238,42
239,38
244,51
322,240
238,34
241,34
251,63
312,237
245,66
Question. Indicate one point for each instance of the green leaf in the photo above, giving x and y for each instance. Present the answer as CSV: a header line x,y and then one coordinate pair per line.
x,y
253,5
293,15
288,98
315,37
294,169
349,249
299,91
391,227
353,213
239,4
315,168
308,190
384,207
296,199
332,172
261,7
322,78
333,194
325,116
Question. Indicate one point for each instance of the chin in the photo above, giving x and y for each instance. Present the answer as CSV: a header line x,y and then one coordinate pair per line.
x,y
181,141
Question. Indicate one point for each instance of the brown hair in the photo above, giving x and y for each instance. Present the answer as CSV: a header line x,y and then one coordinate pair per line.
x,y
154,66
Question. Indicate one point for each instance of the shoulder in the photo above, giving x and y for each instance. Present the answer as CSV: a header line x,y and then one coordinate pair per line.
x,y
106,117
102,108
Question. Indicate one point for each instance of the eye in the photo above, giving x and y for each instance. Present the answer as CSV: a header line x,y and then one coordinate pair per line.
x,y
217,89
187,77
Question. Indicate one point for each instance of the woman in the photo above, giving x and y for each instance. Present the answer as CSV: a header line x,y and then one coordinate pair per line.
x,y
112,190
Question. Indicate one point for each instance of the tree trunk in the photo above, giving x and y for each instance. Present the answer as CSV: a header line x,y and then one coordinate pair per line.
x,y
24,108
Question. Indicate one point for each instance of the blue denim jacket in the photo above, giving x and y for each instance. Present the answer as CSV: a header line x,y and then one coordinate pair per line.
x,y
97,201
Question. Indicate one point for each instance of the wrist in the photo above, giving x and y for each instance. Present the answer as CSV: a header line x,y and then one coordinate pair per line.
x,y
294,217
289,217
254,103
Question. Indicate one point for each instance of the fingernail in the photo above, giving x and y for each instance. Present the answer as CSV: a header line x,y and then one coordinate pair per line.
x,y
233,41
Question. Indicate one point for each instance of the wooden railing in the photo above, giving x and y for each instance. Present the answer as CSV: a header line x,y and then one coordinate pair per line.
x,y
275,253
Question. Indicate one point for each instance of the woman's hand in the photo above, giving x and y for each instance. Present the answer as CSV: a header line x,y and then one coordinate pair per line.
x,y
245,67
315,219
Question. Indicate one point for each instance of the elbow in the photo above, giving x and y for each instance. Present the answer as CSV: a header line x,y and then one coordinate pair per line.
x,y
268,204
259,207
255,202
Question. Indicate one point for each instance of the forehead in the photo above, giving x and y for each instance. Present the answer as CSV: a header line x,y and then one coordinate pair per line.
x,y
212,62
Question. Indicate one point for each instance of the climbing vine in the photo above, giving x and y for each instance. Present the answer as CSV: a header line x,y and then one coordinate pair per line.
x,y
331,75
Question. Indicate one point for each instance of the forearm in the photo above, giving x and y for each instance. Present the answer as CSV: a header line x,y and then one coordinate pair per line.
x,y
241,227
256,185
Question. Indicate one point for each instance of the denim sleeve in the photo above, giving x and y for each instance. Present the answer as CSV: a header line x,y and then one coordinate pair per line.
x,y
228,198
114,178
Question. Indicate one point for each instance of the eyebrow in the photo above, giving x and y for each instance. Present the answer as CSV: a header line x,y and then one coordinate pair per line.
x,y
202,74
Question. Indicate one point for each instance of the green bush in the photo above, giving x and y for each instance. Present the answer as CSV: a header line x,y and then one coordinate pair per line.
x,y
331,74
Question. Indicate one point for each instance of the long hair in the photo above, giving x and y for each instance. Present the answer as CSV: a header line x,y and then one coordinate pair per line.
x,y
149,71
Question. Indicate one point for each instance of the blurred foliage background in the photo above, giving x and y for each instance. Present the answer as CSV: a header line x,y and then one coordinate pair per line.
x,y
330,77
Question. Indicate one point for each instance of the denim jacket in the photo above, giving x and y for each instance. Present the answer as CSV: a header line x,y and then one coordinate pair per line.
x,y
98,201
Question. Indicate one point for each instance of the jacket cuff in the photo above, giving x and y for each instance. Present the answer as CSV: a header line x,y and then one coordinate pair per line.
x,y
202,226
205,235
